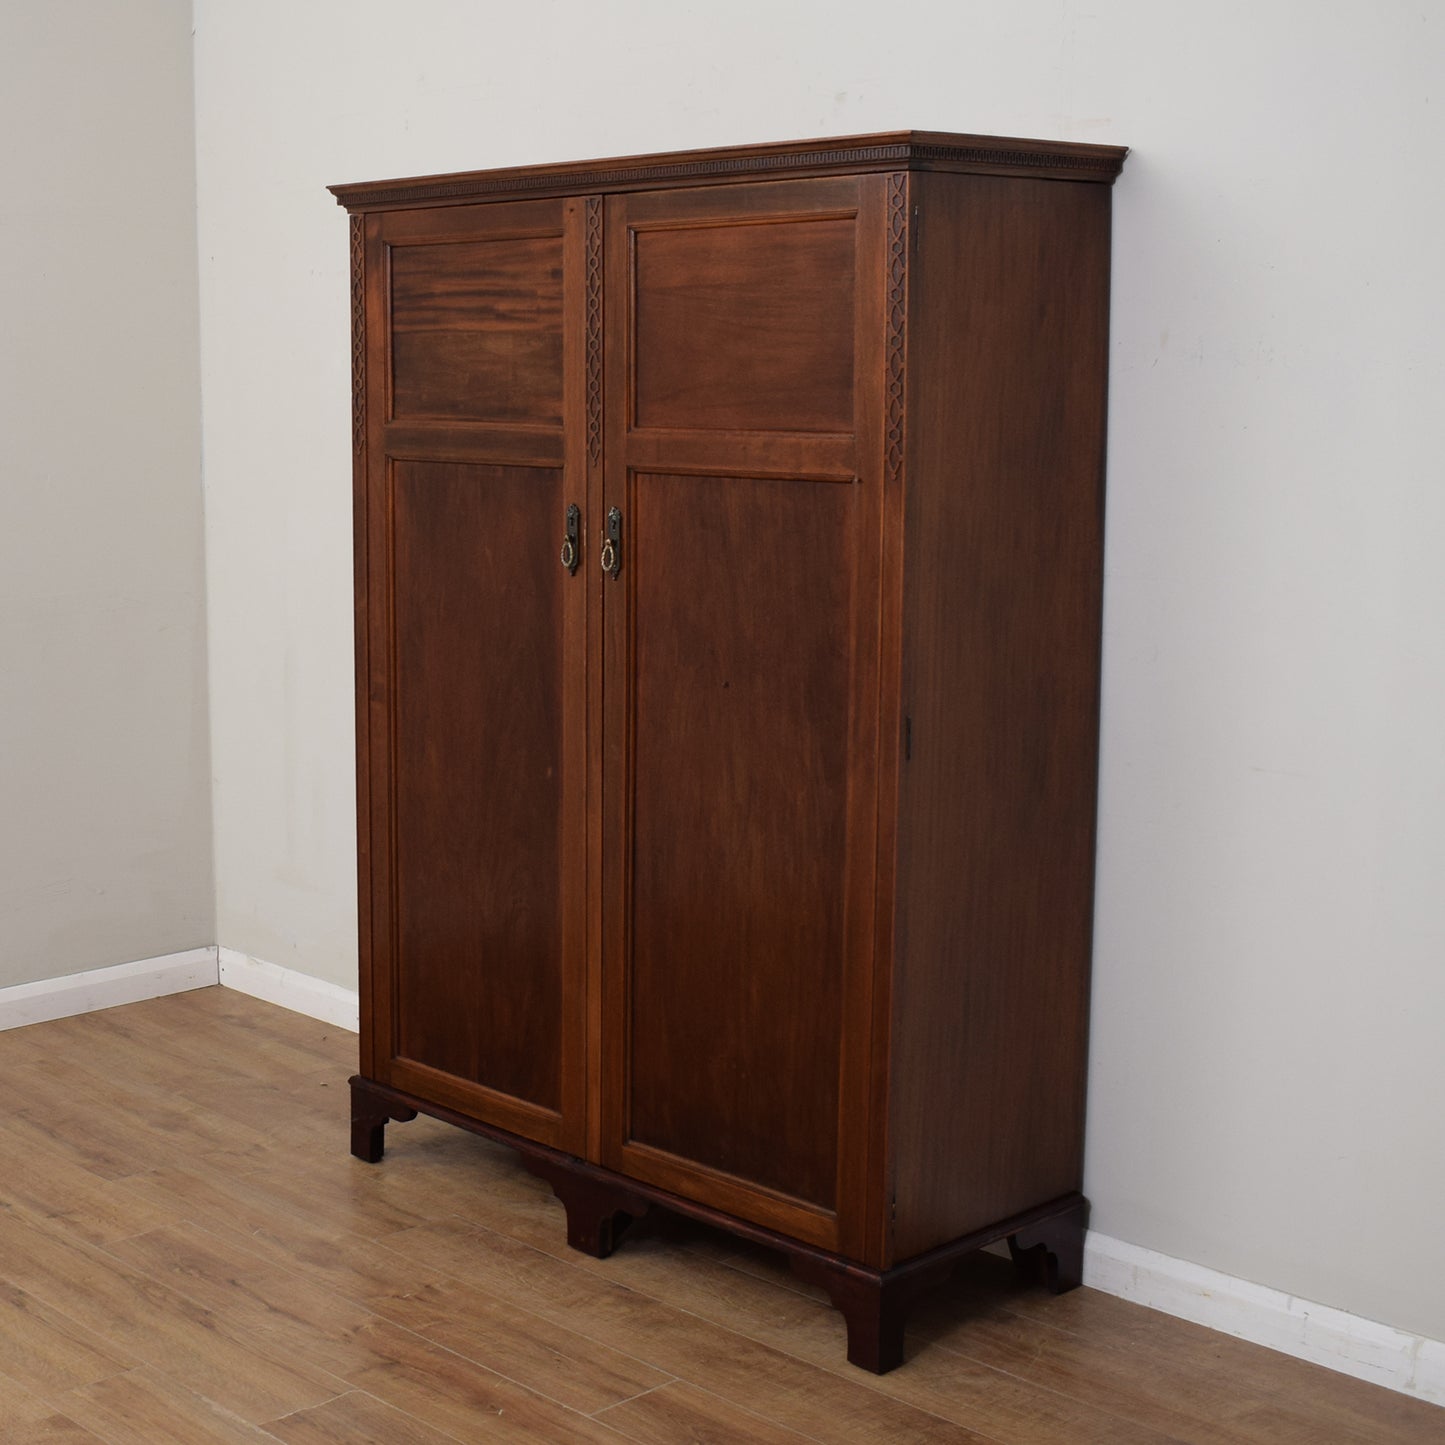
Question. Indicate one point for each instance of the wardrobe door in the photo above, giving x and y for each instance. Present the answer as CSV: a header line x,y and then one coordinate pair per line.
x,y
743,480
472,707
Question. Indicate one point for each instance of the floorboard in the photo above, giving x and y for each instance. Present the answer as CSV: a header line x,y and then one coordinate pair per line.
x,y
188,1253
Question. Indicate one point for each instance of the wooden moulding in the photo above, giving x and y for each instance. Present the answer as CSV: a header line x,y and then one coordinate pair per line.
x,y
1047,1241
890,151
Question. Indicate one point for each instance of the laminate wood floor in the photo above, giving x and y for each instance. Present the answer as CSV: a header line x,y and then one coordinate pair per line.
x,y
188,1253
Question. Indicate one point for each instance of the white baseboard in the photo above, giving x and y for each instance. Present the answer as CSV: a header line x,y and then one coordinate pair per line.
x,y
299,992
1381,1354
100,988
97,988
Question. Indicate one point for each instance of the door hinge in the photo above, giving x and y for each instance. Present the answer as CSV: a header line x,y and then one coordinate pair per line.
x,y
907,738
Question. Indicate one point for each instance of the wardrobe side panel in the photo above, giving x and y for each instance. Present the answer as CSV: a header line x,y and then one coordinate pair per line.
x,y
1005,420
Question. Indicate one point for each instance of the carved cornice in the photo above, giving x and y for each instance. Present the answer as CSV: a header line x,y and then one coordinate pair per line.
x,y
896,339
358,333
910,150
594,330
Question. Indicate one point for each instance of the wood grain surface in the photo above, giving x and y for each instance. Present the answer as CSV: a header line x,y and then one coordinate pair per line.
x,y
472,790
1001,638
743,349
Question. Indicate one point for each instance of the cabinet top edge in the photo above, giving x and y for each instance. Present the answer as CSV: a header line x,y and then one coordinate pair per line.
x,y
891,150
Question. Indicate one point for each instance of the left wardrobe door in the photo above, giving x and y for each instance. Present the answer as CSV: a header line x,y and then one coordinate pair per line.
x,y
471,666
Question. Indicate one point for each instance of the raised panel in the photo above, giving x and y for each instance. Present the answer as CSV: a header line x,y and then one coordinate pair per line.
x,y
742,690
745,325
477,774
477,331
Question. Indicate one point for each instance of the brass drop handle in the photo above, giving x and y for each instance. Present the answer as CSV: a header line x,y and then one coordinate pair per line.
x,y
570,554
612,544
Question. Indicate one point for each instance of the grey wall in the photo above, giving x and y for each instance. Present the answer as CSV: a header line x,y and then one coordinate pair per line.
x,y
105,823
1267,1069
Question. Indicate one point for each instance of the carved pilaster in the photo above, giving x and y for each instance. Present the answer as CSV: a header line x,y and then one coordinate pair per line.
x,y
896,342
594,330
358,334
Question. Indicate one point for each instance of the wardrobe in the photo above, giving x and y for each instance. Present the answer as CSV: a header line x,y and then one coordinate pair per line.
x,y
729,533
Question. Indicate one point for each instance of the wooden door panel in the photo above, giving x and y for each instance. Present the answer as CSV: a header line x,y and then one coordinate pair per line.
x,y
474,661
741,692
478,751
743,450
745,327
477,329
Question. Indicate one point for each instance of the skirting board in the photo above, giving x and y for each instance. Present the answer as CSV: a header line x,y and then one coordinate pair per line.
x,y
98,988
1381,1354
299,992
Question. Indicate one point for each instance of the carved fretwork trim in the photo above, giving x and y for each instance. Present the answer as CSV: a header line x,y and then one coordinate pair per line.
x,y
897,337
982,155
358,333
594,330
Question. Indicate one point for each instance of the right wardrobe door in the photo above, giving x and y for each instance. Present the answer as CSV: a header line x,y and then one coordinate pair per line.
x,y
743,487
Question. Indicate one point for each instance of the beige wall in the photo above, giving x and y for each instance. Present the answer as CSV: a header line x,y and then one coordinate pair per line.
x,y
1267,1065
105,827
